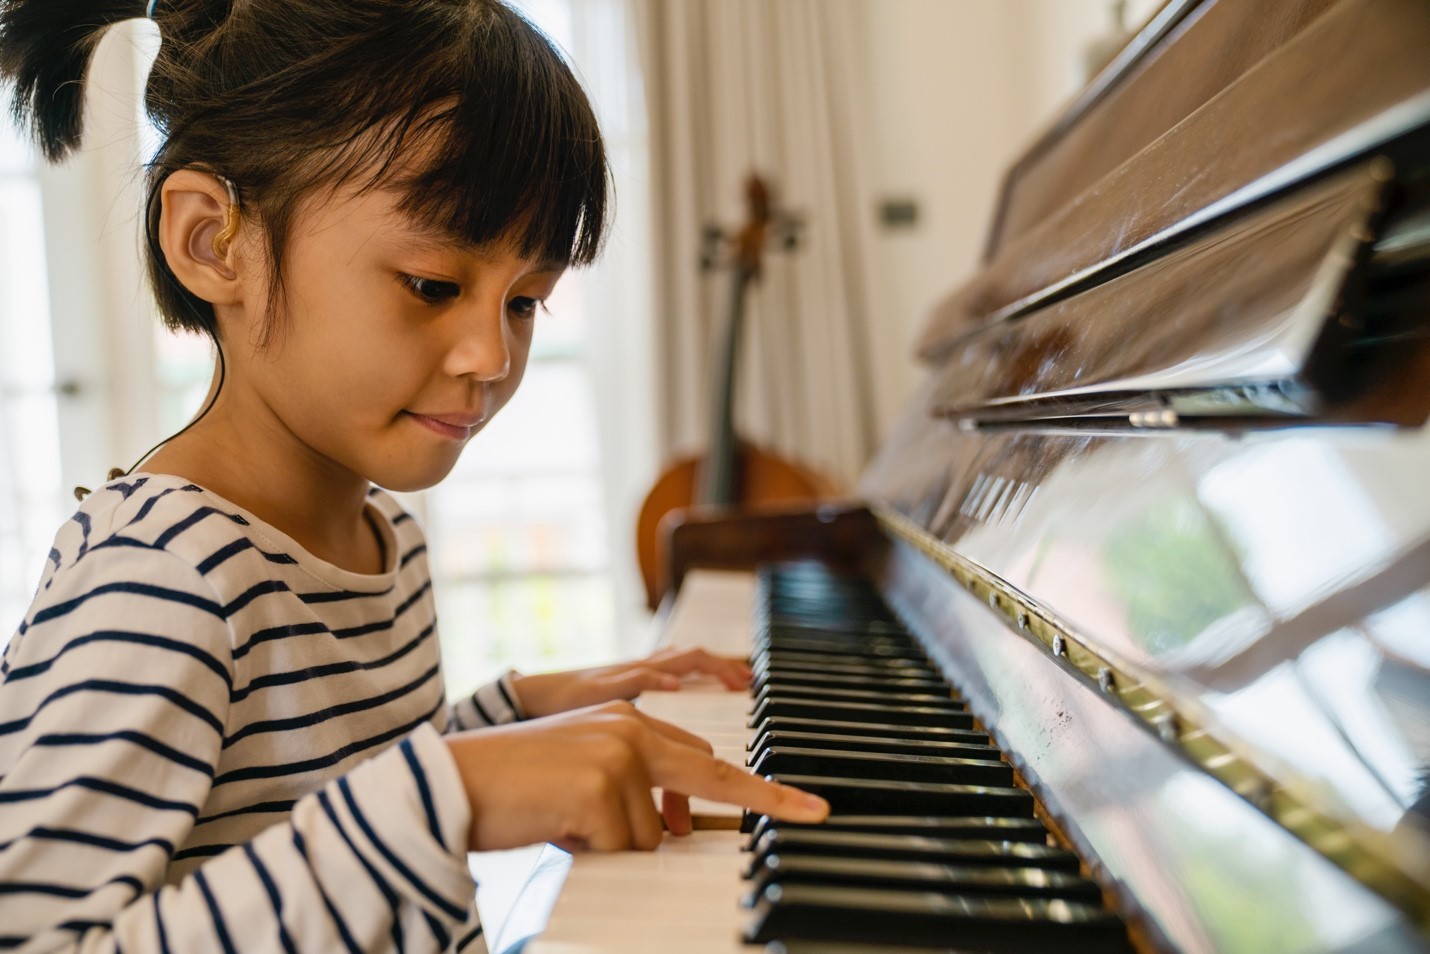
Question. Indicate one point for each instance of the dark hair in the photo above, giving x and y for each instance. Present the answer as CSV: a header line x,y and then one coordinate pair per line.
x,y
284,97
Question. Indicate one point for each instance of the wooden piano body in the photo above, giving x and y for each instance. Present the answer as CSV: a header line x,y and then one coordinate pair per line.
x,y
1161,508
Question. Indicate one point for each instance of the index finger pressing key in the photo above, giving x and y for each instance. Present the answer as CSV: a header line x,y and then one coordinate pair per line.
x,y
683,769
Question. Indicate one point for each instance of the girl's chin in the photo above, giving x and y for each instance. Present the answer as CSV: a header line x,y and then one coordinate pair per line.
x,y
406,480
411,474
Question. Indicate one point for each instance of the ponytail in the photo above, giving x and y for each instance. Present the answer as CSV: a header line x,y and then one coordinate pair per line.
x,y
45,51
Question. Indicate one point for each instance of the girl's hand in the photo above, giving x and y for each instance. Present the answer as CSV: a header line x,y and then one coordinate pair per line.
x,y
552,692
583,781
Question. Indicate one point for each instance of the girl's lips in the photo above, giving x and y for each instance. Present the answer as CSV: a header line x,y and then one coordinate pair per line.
x,y
453,431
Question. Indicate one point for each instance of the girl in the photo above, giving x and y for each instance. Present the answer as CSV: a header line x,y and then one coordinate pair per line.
x,y
221,721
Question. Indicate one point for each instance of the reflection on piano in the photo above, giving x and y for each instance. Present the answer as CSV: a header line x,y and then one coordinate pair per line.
x,y
1129,643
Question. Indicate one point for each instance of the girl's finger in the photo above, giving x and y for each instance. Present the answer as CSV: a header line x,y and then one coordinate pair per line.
x,y
673,733
642,817
734,673
609,826
633,682
675,808
680,768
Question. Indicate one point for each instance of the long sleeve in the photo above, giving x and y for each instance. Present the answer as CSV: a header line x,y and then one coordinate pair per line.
x,y
110,738
495,703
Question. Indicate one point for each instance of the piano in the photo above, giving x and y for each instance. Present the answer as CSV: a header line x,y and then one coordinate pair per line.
x,y
1126,642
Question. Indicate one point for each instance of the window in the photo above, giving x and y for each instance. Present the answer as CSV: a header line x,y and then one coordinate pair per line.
x,y
32,504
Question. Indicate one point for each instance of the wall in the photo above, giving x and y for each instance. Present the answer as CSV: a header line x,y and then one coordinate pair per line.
x,y
956,90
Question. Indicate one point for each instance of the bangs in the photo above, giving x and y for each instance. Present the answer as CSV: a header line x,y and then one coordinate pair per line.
x,y
515,157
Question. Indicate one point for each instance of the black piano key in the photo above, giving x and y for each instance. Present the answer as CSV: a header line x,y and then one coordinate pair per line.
x,y
795,946
893,665
777,657
845,611
891,647
875,730
855,622
877,648
867,616
923,876
800,708
864,743
788,760
826,584
781,668
892,684
977,828
852,628
967,868
839,693
815,912
848,796
945,851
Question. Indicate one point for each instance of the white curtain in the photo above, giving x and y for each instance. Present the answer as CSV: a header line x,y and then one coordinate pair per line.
x,y
771,86
75,327
31,506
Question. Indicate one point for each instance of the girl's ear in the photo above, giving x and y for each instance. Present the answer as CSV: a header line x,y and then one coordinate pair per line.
x,y
197,231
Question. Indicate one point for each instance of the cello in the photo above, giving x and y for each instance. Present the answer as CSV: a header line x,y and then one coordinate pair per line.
x,y
732,472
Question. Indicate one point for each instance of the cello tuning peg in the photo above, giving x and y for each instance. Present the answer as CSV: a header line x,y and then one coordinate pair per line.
x,y
714,258
711,244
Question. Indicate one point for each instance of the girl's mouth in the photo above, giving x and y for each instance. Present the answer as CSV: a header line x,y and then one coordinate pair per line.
x,y
453,427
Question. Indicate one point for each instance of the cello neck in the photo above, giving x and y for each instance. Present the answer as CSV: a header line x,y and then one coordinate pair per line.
x,y
717,478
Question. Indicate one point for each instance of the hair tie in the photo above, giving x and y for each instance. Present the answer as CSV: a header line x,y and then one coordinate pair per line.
x,y
150,11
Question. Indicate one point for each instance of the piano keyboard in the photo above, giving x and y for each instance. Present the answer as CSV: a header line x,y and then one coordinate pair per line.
x,y
930,842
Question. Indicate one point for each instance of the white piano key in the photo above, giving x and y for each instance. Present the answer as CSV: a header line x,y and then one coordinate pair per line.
x,y
642,944
650,901
724,711
713,611
684,896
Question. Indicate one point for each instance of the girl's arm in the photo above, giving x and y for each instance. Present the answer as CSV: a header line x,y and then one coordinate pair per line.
x,y
112,720
515,697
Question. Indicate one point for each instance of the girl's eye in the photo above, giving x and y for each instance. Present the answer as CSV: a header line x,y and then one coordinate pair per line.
x,y
524,307
429,290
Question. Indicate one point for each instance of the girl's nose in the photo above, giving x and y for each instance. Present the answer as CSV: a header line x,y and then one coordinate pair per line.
x,y
482,349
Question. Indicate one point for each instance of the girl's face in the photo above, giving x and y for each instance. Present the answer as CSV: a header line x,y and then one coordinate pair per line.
x,y
396,345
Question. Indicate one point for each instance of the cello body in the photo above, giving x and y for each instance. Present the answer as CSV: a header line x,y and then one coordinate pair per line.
x,y
761,478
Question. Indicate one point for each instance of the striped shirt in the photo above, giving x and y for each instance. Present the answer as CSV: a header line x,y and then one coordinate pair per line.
x,y
210,740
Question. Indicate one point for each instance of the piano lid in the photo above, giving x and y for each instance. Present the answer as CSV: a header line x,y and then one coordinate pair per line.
x,y
1216,107
1269,318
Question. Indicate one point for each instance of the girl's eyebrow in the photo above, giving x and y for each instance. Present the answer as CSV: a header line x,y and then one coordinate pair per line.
x,y
424,240
427,239
435,240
